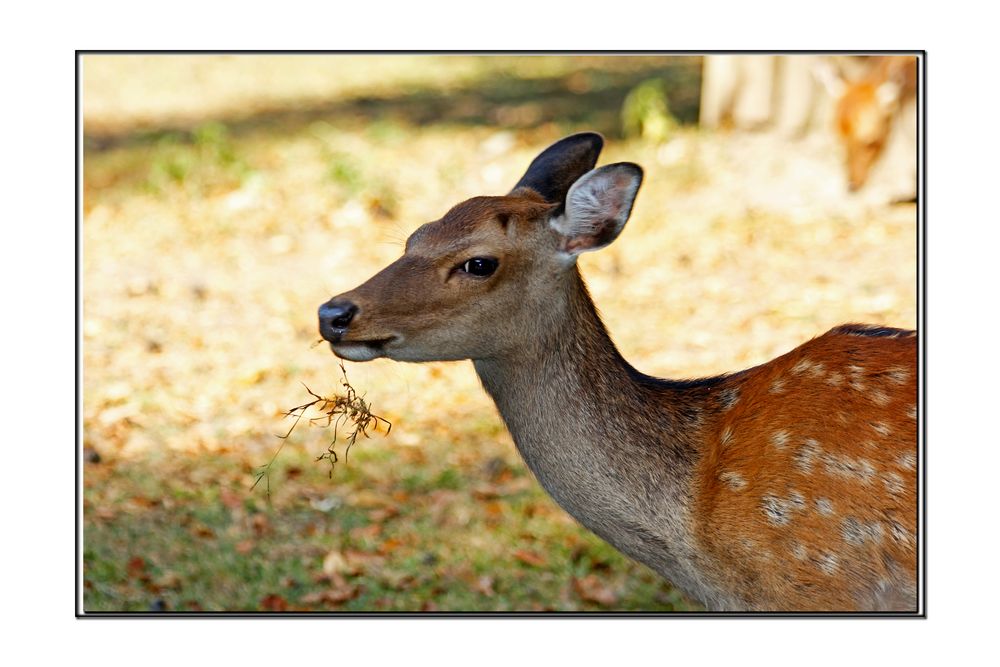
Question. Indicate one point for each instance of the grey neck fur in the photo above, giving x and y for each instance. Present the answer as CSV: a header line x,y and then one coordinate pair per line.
x,y
613,447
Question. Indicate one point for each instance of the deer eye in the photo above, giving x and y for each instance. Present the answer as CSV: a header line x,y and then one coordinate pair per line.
x,y
480,266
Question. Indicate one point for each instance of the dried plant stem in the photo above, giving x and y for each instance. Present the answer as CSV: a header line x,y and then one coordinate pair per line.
x,y
335,411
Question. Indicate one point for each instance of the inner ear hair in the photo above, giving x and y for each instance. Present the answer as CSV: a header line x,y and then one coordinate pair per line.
x,y
598,206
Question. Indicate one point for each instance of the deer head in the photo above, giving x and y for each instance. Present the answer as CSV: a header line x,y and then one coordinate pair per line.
x,y
864,111
482,280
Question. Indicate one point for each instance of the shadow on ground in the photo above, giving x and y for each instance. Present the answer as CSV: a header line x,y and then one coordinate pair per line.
x,y
590,95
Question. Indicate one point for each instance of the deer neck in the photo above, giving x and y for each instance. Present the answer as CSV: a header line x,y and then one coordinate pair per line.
x,y
611,445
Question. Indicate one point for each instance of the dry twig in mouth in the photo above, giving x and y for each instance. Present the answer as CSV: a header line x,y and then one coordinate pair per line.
x,y
336,411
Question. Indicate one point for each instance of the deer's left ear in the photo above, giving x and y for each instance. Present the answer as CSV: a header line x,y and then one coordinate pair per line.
x,y
597,207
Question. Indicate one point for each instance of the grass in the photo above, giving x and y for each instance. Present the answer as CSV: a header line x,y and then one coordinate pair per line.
x,y
185,535
218,219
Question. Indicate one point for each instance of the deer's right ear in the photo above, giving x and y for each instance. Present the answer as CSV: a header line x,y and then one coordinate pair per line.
x,y
560,165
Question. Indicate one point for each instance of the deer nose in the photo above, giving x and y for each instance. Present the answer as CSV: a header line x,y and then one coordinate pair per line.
x,y
334,316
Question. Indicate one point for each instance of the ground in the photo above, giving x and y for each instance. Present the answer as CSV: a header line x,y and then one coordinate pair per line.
x,y
225,198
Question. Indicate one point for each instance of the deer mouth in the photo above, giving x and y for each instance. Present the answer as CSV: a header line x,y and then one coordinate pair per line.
x,y
361,350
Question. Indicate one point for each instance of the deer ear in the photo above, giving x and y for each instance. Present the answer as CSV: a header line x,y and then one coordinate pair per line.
x,y
828,77
597,207
887,94
559,166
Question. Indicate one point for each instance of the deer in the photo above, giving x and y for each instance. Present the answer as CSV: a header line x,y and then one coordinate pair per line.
x,y
867,107
789,486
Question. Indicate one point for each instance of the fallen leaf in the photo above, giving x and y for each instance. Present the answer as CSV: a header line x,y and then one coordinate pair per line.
x,y
145,502
529,557
230,498
397,580
390,545
592,589
203,531
363,561
334,596
273,602
261,524
382,514
136,567
486,492
106,513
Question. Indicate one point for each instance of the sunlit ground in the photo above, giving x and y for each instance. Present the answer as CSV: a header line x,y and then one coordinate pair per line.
x,y
225,198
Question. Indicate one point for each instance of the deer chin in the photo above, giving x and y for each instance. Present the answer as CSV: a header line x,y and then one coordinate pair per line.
x,y
361,350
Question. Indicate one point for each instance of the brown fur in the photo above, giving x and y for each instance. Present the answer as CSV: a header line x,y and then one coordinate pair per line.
x,y
839,408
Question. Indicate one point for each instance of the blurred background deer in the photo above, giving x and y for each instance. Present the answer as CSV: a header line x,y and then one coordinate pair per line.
x,y
867,102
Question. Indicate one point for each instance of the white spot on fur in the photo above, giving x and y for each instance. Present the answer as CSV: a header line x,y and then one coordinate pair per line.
x,y
775,509
796,500
852,531
881,428
907,461
777,386
805,366
848,467
824,506
875,531
893,483
899,534
733,480
729,397
727,435
779,439
879,397
857,533
835,379
806,455
828,562
898,375
799,551
779,510
912,412
856,374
